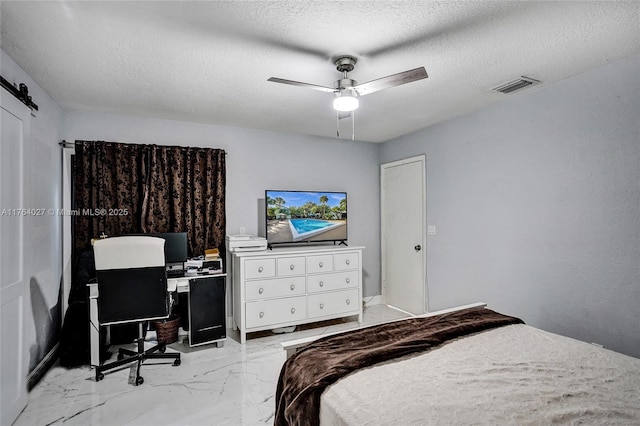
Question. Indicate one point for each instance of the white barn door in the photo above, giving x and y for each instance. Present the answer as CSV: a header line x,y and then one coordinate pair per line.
x,y
14,354
403,209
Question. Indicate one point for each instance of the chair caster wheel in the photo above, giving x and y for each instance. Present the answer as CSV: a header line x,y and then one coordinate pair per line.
x,y
99,377
176,363
139,381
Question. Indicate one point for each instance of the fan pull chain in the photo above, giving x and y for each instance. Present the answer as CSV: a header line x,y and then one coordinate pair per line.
x,y
353,125
352,115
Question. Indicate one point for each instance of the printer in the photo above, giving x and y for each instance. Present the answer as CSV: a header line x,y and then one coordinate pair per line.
x,y
239,243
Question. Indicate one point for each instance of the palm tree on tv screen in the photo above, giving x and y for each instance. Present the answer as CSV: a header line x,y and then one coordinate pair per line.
x,y
277,202
343,204
309,208
323,200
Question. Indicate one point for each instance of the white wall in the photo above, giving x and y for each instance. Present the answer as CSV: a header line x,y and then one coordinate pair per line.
x,y
537,206
259,160
42,191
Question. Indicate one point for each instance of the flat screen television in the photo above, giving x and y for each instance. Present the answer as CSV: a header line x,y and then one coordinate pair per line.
x,y
305,216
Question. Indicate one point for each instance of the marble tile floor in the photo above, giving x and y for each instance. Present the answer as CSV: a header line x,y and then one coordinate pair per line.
x,y
231,385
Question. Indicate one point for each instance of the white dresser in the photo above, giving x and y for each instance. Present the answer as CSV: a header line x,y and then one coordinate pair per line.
x,y
297,285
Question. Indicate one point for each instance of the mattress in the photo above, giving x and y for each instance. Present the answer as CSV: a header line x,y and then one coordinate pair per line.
x,y
515,374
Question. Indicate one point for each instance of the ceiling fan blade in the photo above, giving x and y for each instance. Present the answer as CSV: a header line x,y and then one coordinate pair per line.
x,y
391,81
299,84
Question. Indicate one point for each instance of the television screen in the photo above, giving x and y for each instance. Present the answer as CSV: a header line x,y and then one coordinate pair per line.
x,y
305,216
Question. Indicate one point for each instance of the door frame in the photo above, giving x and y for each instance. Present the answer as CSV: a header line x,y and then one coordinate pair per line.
x,y
422,158
18,291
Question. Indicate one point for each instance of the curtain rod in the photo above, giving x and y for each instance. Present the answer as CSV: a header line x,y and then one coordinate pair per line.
x,y
65,144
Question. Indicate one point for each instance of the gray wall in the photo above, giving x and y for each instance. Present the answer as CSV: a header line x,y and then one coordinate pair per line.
x,y
259,160
41,191
537,206
536,200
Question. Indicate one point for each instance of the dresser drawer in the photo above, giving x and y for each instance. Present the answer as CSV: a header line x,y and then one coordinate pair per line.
x,y
276,287
346,261
320,263
288,266
333,281
273,312
333,303
259,268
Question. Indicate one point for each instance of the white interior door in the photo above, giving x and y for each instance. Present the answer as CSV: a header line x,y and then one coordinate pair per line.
x,y
403,196
14,354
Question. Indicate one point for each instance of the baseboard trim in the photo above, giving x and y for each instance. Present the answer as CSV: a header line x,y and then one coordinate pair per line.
x,y
43,366
372,300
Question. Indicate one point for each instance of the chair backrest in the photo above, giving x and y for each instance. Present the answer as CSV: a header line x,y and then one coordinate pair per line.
x,y
132,279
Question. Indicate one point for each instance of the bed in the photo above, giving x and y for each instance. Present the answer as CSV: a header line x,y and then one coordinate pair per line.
x,y
460,366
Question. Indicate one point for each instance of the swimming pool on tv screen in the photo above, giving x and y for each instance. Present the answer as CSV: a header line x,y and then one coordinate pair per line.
x,y
309,225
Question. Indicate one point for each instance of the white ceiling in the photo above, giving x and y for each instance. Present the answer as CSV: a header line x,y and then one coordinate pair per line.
x,y
208,62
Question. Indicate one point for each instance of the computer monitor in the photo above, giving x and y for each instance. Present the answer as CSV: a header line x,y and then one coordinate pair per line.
x,y
176,248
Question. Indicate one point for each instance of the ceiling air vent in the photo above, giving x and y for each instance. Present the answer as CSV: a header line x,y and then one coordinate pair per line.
x,y
517,84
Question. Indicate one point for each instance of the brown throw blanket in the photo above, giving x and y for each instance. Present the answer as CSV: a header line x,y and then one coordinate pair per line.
x,y
306,374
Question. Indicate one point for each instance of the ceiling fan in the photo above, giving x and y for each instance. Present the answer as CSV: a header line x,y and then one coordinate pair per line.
x,y
348,90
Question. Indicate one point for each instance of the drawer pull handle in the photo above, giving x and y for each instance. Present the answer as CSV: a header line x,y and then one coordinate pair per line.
x,y
292,267
260,269
322,306
261,290
348,280
292,287
347,261
293,310
321,264
261,314
321,284
348,302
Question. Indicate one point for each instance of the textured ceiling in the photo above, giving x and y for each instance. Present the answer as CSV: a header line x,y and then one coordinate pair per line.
x,y
209,62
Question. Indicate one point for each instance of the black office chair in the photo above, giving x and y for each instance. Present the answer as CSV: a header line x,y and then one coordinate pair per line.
x,y
132,288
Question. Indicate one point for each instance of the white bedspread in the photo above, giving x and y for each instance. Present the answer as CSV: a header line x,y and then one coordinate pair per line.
x,y
510,375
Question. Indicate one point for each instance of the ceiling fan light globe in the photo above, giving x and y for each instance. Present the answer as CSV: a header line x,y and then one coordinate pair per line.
x,y
346,103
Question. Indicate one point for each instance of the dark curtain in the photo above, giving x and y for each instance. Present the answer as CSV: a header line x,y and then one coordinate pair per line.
x,y
130,188
186,192
108,190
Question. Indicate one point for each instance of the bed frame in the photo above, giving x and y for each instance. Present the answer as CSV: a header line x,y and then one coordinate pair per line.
x,y
292,346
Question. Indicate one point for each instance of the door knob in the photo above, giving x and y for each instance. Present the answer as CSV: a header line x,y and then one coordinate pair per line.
x,y
418,247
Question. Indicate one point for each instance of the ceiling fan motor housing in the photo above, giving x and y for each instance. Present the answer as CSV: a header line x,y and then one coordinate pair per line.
x,y
346,84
